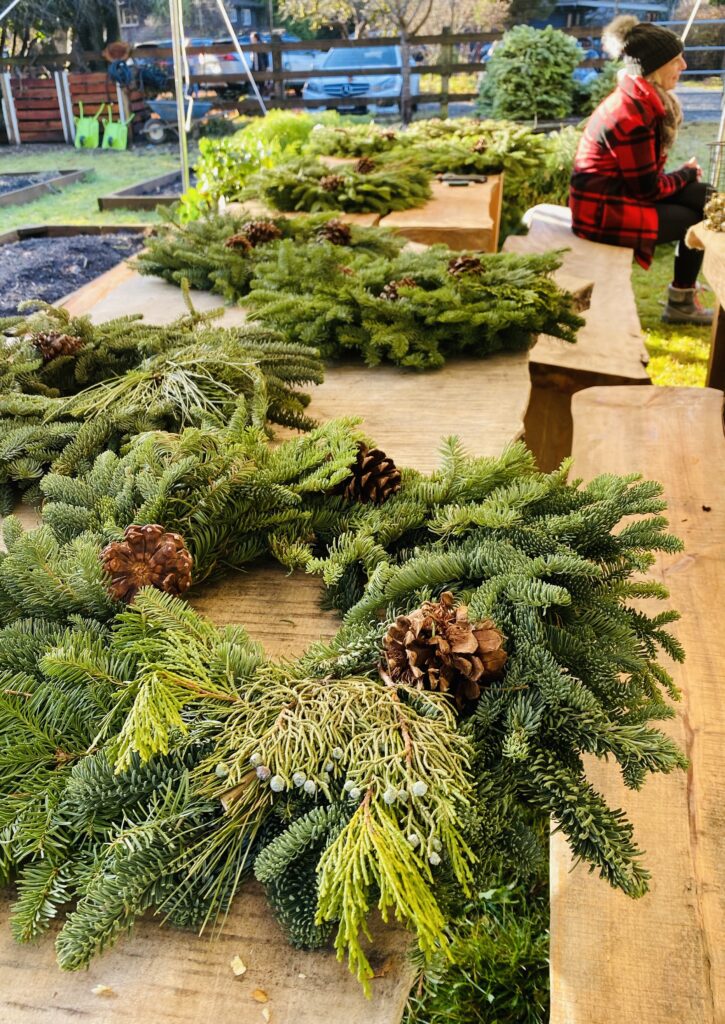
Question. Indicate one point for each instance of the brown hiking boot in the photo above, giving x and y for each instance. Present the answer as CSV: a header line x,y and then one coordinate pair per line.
x,y
683,307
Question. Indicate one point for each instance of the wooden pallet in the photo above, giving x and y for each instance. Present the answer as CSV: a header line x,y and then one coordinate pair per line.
x,y
661,959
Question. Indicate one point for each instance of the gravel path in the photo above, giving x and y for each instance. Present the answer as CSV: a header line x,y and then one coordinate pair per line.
x,y
49,268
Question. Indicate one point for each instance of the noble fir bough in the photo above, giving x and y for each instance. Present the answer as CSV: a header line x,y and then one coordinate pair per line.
x,y
153,760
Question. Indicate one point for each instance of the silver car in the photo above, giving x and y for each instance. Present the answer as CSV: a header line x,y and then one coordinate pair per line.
x,y
380,89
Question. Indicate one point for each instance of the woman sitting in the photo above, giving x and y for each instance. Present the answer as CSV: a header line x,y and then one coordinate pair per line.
x,y
620,193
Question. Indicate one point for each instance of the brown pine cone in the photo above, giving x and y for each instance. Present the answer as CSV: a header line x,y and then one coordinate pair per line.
x,y
335,231
147,556
259,232
332,182
51,344
375,478
480,146
365,165
239,242
465,265
389,135
437,648
390,291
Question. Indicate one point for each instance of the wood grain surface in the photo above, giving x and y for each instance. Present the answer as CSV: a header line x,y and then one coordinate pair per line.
x,y
460,217
165,976
609,348
661,959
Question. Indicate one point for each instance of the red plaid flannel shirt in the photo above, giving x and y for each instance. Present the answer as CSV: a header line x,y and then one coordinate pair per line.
x,y
618,170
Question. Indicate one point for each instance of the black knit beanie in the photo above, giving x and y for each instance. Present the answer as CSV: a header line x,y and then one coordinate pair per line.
x,y
644,44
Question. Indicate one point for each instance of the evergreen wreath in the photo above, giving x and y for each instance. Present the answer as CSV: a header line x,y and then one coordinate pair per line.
x,y
309,186
199,251
415,310
150,759
188,372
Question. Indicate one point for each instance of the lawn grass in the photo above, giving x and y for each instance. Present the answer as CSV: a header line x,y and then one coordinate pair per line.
x,y
77,204
678,354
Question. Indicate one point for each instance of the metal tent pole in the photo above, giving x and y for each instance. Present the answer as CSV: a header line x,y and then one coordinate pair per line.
x,y
177,45
240,54
9,8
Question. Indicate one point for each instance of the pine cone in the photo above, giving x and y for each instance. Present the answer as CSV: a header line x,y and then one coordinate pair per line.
x,y
240,242
147,556
389,135
390,291
335,231
365,165
52,344
465,265
332,182
480,146
375,478
437,648
259,232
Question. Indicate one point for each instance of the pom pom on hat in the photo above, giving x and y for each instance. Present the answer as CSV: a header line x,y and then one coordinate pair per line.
x,y
644,45
614,36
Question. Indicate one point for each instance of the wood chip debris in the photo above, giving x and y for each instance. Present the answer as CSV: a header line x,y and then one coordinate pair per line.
x,y
238,966
266,1013
103,990
260,995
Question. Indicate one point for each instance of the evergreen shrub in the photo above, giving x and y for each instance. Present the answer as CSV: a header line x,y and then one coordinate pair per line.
x,y
529,75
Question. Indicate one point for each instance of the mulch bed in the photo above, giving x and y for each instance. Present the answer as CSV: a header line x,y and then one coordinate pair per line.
x,y
49,268
10,183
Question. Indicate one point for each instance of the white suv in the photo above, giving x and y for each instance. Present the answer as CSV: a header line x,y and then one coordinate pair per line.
x,y
380,89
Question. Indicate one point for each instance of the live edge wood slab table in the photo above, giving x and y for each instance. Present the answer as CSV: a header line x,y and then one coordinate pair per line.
x,y
660,959
164,976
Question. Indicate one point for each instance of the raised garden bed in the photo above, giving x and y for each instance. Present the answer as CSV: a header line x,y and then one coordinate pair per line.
x,y
50,262
163,190
25,186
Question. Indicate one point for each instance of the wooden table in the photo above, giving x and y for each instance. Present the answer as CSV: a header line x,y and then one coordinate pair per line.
x,y
461,217
713,242
660,959
174,977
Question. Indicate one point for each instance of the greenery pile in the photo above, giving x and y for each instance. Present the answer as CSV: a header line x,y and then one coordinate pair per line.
x,y
226,163
349,140
310,186
537,166
529,75
190,372
211,253
416,309
151,760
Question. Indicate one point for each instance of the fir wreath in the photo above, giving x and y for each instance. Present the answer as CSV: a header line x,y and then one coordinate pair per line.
x,y
150,759
124,377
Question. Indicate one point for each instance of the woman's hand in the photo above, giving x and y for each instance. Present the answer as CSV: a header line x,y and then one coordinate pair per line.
x,y
692,162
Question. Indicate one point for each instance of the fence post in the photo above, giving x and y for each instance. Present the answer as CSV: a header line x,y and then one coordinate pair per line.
x,y
406,113
445,58
277,66
8,109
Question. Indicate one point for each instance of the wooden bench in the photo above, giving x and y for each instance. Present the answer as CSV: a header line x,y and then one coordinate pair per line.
x,y
661,959
609,348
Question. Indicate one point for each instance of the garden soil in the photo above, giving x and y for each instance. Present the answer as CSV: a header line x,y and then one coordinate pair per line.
x,y
49,268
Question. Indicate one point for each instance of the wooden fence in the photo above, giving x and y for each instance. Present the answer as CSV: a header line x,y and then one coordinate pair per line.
x,y
277,80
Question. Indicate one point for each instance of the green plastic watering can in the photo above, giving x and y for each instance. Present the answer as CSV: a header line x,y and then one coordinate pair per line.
x,y
87,129
115,133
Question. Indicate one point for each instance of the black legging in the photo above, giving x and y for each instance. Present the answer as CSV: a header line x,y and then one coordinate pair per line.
x,y
675,215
